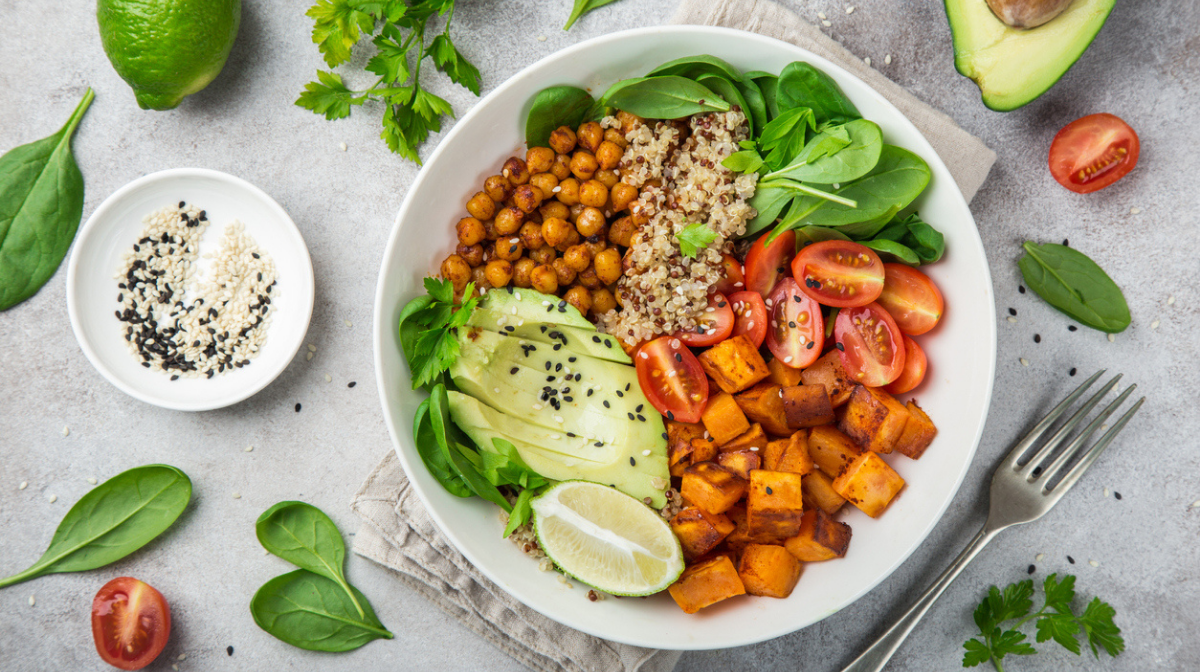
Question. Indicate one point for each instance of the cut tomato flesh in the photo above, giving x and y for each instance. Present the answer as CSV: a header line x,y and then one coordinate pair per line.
x,y
795,330
872,351
672,379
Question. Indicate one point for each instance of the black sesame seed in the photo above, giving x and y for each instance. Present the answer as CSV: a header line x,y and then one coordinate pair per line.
x,y
558,367
630,415
639,408
1032,569
229,650
589,392
568,399
1021,288
1012,311
1037,338
1072,371
1116,494
810,345
839,346
679,357
792,324
606,404
182,204
571,359
664,435
620,393
627,386
543,328
641,417
632,462
549,379
1065,243
595,339
1070,560
770,491
1071,327
146,364
547,366
510,329
297,407
578,377
721,304
513,371
670,415
599,444
557,346
255,255
607,343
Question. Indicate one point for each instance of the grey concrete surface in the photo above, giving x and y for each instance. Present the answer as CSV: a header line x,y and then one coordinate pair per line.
x,y
1145,67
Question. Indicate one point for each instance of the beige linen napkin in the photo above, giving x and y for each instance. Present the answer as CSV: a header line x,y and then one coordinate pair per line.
x,y
400,534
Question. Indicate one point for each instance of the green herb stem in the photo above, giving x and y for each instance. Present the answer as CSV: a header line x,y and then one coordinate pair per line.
x,y
811,191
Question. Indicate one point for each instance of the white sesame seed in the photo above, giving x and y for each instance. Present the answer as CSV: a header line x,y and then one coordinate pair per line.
x,y
1170,300
92,480
537,407
754,448
646,453
556,190
1024,362
887,60
312,347
1135,211
308,357
23,485
53,498
32,600
1038,557
826,24
328,378
541,38
643,355
182,656
850,10
343,147
1012,319
1093,563
1154,324
237,495
558,419
496,390
174,666
348,323
787,360
821,15
555,437
518,295
1106,492
65,431
1196,504
867,60
248,449
1111,338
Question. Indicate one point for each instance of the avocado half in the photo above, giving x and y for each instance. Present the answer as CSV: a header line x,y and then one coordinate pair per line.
x,y
1014,66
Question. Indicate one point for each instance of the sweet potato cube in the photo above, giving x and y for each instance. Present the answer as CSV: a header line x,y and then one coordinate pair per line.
x,y
768,570
740,537
699,531
782,374
874,419
789,455
806,406
723,418
704,450
706,583
734,363
831,450
679,440
918,432
712,487
763,404
821,538
819,493
740,462
869,483
774,505
828,371
754,439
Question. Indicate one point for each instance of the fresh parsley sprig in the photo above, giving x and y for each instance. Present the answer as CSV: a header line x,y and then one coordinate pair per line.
x,y
411,112
427,330
695,237
1055,620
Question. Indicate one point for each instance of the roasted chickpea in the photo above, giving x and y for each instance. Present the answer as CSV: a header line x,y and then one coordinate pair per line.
x,y
595,244
566,274
479,277
516,171
608,266
528,197
573,238
616,137
499,272
621,232
481,206
587,278
593,193
562,166
509,249
590,221
584,165
608,178
544,181
543,255
544,279
498,188
577,257
531,236
568,191
562,140
622,195
489,251
554,208
534,217
470,230
555,231
509,221
603,300
579,297
608,155
539,159
472,254
489,230
590,136
628,121
521,271
457,271
575,212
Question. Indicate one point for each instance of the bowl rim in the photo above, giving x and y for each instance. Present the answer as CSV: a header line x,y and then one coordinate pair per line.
x,y
925,150
93,223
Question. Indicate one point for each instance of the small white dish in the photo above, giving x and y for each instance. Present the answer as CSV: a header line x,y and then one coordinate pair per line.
x,y
111,232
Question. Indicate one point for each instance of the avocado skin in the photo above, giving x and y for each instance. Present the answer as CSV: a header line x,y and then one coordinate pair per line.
x,y
1025,63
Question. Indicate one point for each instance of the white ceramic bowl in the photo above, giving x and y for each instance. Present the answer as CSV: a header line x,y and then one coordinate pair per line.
x,y
956,393
113,229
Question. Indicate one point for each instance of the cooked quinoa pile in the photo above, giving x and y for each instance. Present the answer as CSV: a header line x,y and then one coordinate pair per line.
x,y
677,167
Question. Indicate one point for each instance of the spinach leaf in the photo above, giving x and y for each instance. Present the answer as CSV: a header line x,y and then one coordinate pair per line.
x,y
583,7
785,136
1071,282
521,511
802,85
113,520
807,235
914,233
747,160
503,466
431,454
898,178
890,250
768,84
41,203
755,101
313,612
769,201
303,535
439,414
731,93
553,107
694,67
669,97
822,161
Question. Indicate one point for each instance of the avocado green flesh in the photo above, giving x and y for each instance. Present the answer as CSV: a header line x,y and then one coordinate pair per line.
x,y
1013,66
533,306
582,340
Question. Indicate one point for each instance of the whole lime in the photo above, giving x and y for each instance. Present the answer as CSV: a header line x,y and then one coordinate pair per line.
x,y
167,49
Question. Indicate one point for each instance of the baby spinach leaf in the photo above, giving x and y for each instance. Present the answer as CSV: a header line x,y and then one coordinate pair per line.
x,y
1071,282
768,84
768,201
41,203
823,162
731,93
521,511
431,454
802,85
897,178
439,414
890,250
583,7
807,235
745,161
113,520
914,233
313,612
303,535
553,107
693,67
756,104
668,97
785,136
503,466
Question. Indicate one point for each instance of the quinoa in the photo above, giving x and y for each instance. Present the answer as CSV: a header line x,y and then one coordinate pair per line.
x,y
673,506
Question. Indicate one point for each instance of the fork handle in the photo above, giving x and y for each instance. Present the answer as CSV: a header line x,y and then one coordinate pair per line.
x,y
875,657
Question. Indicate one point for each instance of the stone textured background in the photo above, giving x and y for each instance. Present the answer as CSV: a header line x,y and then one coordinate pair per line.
x,y
1144,67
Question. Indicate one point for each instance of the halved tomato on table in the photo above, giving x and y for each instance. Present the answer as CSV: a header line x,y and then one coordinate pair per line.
x,y
749,316
1092,152
839,273
671,378
796,330
871,345
911,298
765,264
733,279
915,364
130,623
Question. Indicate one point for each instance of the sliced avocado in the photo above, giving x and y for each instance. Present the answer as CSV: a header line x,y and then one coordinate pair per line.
x,y
583,340
1013,66
533,306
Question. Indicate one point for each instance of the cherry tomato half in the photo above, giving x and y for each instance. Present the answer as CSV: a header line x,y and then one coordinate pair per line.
x,y
733,279
766,264
911,298
839,273
130,623
914,369
716,324
750,316
872,351
1092,152
797,329
671,378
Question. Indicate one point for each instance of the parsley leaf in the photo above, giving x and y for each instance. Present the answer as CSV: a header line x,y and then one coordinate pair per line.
x,y
695,237
1062,628
427,327
1097,622
337,26
329,96
977,653
450,60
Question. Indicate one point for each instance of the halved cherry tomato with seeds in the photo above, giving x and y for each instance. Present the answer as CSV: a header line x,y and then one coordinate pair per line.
x,y
749,316
796,331
734,279
839,273
914,369
765,264
130,623
671,378
871,345
1092,152
911,298
715,324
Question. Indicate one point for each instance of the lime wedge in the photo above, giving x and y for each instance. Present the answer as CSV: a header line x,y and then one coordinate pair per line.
x,y
606,539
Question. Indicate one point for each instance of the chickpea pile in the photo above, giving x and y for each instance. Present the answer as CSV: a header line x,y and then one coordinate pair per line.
x,y
544,222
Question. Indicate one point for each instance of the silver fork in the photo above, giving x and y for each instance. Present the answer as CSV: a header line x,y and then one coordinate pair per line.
x,y
1023,490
